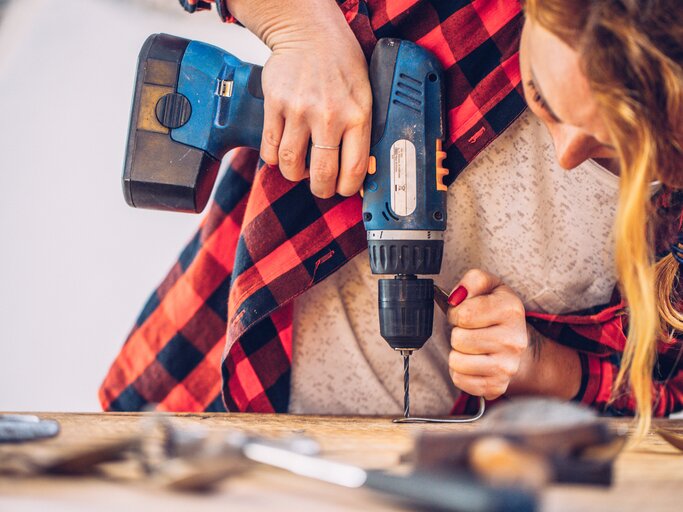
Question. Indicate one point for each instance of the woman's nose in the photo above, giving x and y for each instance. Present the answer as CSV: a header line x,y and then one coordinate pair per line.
x,y
572,146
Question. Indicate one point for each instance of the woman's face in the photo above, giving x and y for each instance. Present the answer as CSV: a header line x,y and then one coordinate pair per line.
x,y
557,91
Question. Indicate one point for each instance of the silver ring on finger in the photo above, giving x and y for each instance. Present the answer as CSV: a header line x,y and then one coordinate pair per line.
x,y
322,146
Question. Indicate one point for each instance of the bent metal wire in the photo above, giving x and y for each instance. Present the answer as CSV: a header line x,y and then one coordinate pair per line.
x,y
478,415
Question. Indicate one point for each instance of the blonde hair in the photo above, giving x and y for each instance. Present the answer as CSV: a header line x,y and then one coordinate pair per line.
x,y
632,52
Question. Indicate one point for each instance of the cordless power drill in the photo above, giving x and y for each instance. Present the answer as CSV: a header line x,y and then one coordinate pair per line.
x,y
194,102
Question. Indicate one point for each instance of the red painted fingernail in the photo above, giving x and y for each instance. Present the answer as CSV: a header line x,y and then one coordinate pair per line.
x,y
457,296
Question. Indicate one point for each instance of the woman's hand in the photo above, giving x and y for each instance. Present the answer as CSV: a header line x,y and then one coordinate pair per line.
x,y
489,336
316,88
318,91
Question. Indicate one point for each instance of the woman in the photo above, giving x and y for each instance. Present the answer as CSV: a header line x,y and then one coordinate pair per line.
x,y
623,61
313,91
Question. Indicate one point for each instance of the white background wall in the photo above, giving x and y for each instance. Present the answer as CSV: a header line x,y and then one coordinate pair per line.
x,y
76,263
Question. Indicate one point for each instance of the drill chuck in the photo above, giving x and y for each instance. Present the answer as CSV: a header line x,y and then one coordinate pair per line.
x,y
406,310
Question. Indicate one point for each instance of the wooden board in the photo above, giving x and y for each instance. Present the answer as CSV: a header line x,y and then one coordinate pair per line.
x,y
648,477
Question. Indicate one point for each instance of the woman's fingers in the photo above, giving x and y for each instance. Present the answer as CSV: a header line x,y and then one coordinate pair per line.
x,y
273,126
489,334
293,148
500,306
480,341
482,365
354,156
324,169
339,165
481,375
325,150
488,387
479,282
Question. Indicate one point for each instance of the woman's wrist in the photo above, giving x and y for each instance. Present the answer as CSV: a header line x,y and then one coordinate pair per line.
x,y
547,368
289,23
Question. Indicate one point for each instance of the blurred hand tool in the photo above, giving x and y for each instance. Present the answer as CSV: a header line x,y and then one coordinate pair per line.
x,y
16,428
196,463
528,442
196,460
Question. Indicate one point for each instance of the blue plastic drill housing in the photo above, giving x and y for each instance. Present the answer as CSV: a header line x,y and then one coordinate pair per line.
x,y
404,204
404,197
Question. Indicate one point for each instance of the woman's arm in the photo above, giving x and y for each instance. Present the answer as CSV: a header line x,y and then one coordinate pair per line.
x,y
597,337
547,368
599,375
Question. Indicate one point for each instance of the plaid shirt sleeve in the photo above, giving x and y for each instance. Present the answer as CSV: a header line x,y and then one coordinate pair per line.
x,y
217,332
599,375
599,335
600,338
601,368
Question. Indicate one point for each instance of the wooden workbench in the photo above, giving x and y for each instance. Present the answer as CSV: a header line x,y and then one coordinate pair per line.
x,y
648,478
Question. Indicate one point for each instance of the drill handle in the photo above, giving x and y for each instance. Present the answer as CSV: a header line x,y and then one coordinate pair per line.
x,y
226,98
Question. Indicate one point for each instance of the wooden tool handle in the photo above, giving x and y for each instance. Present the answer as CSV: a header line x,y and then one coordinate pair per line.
x,y
501,462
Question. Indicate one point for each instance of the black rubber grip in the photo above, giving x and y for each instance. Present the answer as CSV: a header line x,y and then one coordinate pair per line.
x,y
381,79
254,84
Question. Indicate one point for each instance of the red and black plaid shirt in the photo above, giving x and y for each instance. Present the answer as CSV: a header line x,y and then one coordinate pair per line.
x,y
217,332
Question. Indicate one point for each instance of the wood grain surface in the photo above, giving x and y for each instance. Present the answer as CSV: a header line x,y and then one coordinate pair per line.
x,y
649,477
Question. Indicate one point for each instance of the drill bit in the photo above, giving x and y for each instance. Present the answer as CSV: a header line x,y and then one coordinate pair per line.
x,y
406,383
406,400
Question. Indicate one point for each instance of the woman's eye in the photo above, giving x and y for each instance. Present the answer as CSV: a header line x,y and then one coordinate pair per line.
x,y
537,98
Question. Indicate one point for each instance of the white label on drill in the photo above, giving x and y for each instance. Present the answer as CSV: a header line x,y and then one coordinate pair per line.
x,y
403,177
